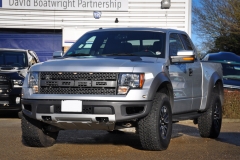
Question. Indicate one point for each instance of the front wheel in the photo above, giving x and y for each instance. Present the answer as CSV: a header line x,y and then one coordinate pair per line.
x,y
34,134
209,124
155,129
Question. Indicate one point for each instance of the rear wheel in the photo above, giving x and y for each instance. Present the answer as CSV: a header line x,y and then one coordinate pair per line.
x,y
155,129
34,134
209,124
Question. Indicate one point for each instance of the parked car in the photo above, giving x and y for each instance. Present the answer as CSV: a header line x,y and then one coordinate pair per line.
x,y
14,65
231,67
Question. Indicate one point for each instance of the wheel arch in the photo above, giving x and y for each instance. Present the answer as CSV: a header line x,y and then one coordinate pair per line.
x,y
215,85
162,84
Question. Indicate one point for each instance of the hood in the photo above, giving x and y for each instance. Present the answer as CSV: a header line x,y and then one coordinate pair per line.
x,y
231,83
14,72
94,64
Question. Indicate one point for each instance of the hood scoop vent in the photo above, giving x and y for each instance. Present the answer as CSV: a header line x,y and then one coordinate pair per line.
x,y
131,58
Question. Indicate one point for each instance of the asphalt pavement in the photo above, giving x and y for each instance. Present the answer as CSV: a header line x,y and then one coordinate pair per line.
x,y
93,145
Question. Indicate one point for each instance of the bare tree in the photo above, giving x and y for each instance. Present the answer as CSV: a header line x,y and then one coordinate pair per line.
x,y
233,14
217,23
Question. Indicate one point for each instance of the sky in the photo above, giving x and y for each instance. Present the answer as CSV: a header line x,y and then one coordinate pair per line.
x,y
194,37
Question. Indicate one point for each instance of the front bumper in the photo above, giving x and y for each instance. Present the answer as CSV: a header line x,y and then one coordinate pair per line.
x,y
101,115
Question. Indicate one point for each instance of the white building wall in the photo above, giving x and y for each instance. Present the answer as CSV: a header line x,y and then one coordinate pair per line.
x,y
141,13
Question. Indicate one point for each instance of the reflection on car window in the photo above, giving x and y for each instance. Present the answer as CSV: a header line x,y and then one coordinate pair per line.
x,y
108,43
230,63
231,71
175,44
187,42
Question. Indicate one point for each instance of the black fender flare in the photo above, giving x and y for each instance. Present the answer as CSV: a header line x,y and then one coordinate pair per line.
x,y
161,81
215,80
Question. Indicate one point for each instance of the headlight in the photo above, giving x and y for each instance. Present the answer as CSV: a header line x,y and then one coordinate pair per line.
x,y
127,81
33,81
17,83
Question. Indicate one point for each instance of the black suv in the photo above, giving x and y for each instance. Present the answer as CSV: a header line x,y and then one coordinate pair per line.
x,y
14,64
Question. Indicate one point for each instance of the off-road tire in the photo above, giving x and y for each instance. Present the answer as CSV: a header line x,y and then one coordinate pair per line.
x,y
155,129
209,123
34,135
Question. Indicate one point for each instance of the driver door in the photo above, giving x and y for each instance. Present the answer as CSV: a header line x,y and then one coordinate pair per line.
x,y
180,77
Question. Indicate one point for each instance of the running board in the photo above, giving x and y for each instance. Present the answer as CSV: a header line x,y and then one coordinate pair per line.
x,y
186,116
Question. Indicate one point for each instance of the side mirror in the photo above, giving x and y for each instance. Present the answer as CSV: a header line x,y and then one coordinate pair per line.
x,y
183,57
57,54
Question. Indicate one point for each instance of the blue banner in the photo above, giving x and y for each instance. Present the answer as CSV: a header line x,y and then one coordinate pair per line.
x,y
44,44
1,3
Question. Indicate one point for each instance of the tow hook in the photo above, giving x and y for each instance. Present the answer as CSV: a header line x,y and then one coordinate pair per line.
x,y
102,119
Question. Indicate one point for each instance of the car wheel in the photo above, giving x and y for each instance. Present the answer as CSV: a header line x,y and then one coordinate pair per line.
x,y
155,129
209,123
34,135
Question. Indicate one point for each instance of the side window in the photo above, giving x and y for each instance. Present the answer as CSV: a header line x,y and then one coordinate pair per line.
x,y
187,43
175,44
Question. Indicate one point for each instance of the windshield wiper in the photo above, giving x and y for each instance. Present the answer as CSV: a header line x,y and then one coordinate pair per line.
x,y
77,54
119,54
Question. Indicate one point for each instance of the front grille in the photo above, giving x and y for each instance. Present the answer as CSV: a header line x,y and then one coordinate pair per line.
x,y
4,85
59,90
77,76
78,83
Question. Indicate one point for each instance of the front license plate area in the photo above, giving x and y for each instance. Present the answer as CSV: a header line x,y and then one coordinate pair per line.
x,y
71,106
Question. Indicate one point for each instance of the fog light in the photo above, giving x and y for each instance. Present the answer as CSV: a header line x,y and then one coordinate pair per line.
x,y
18,100
123,89
35,89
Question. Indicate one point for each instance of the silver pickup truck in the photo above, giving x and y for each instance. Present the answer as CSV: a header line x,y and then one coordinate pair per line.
x,y
117,78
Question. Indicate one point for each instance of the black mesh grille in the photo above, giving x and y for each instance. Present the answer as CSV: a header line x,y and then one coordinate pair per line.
x,y
85,110
77,76
102,91
4,85
81,83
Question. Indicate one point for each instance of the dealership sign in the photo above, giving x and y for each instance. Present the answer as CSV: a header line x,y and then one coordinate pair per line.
x,y
87,5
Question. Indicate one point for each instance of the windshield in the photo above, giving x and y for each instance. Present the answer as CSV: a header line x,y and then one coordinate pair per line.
x,y
13,59
120,43
231,71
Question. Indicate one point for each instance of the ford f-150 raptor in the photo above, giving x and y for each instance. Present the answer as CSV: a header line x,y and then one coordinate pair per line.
x,y
14,64
110,79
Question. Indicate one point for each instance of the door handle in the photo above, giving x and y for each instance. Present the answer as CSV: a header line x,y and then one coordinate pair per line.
x,y
190,71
